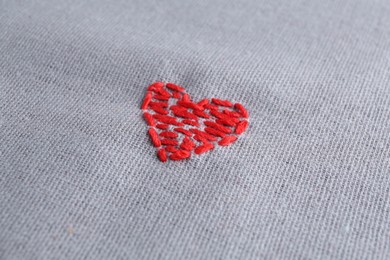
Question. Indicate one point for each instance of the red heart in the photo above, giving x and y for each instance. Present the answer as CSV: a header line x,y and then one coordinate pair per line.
x,y
178,126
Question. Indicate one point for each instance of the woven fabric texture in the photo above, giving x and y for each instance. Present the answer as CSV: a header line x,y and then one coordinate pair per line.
x,y
309,179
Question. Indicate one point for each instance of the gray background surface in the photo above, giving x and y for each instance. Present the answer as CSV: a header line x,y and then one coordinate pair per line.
x,y
310,179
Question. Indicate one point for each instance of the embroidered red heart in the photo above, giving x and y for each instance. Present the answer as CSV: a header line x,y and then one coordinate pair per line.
x,y
179,126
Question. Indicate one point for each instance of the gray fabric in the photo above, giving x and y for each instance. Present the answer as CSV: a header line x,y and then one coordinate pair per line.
x,y
309,180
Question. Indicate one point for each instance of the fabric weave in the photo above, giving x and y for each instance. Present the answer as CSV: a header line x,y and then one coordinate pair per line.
x,y
309,179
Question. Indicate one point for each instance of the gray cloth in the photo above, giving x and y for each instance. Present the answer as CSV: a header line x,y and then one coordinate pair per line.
x,y
310,179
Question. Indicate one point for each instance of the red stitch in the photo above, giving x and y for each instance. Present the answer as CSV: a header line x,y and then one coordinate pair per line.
x,y
227,140
185,114
218,127
162,126
203,102
221,102
183,131
241,127
167,120
160,97
241,109
203,134
222,116
162,155
149,119
176,95
162,92
154,136
187,144
177,108
190,122
147,99
231,113
189,104
170,148
159,110
204,148
200,139
169,142
156,85
210,107
159,104
175,87
186,97
215,132
225,122
201,114
168,134
218,114
180,155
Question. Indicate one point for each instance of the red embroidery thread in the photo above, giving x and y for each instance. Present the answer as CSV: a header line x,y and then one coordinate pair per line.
x,y
187,126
